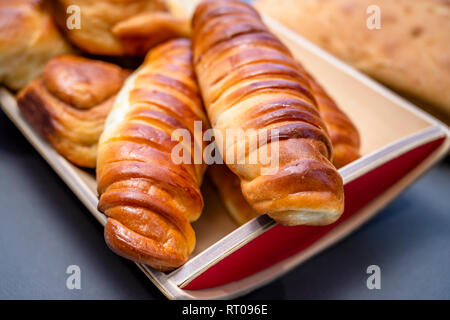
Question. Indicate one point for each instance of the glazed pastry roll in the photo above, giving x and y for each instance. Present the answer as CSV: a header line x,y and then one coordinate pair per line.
x,y
149,198
28,40
250,81
116,28
69,104
344,137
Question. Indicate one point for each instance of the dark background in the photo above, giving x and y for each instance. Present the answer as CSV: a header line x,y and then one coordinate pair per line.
x,y
44,228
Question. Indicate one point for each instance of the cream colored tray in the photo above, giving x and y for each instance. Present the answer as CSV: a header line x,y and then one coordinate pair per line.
x,y
399,143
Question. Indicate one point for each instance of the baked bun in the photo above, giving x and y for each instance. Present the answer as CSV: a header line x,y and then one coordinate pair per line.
x,y
149,198
344,137
68,105
250,81
28,40
116,28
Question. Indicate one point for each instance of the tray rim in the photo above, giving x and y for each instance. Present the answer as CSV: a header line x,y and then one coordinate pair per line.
x,y
169,284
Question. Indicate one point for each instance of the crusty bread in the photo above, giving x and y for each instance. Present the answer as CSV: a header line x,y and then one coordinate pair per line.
x,y
250,81
148,198
411,51
69,104
28,40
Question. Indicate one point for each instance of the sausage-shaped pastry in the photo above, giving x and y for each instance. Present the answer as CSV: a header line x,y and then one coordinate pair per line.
x,y
69,104
249,80
344,137
148,198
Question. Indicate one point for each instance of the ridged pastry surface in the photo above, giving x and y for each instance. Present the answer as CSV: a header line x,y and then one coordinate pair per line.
x,y
344,137
249,80
148,198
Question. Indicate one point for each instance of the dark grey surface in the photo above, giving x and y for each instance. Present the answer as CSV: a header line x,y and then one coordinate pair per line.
x,y
44,229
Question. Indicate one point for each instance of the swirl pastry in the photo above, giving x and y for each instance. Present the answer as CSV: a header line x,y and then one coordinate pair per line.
x,y
148,198
68,105
28,40
249,80
116,28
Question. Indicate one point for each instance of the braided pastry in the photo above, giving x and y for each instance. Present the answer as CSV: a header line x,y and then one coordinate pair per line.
x,y
249,80
68,105
148,198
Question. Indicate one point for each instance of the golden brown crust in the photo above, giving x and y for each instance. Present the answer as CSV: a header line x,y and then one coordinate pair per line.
x,y
148,198
111,27
250,80
28,40
344,137
68,105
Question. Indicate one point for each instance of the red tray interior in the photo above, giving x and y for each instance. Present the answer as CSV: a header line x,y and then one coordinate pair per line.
x,y
281,242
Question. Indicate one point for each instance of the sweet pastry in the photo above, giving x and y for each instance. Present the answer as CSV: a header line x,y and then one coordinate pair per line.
x,y
69,104
116,28
148,197
28,40
250,81
344,137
